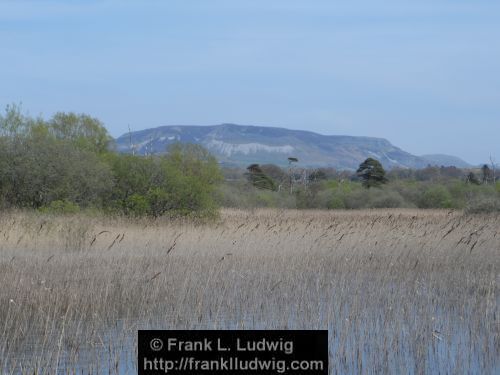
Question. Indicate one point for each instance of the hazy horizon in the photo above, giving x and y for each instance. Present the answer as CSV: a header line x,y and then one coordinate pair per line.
x,y
422,75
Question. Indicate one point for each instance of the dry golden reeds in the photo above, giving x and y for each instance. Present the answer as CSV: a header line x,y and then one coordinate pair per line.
x,y
401,291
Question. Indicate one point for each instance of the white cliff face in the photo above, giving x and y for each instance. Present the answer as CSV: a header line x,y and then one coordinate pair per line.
x,y
229,149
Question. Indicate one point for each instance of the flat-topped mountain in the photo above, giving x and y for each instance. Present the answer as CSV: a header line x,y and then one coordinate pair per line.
x,y
241,145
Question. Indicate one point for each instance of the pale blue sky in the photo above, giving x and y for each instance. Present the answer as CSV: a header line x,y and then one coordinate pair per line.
x,y
423,74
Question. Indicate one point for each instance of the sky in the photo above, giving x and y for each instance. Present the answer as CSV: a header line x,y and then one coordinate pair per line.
x,y
423,74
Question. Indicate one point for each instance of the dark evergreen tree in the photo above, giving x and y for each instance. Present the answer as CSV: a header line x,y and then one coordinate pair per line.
x,y
259,179
487,175
317,175
371,173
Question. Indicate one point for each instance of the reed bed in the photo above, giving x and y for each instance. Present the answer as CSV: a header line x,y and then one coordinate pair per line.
x,y
400,291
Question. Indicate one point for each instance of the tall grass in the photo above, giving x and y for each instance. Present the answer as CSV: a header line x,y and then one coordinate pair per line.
x,y
401,291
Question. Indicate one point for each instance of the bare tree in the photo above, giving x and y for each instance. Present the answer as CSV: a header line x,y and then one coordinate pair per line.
x,y
493,168
291,171
131,145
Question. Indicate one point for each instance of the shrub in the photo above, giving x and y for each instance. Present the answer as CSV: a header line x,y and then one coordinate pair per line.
x,y
137,205
436,197
387,199
182,183
483,204
335,202
158,202
60,207
265,199
37,171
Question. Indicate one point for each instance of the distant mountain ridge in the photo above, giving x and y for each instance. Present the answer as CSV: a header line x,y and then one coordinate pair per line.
x,y
241,145
446,160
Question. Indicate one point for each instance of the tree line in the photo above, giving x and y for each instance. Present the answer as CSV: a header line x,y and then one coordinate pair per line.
x,y
67,163
370,186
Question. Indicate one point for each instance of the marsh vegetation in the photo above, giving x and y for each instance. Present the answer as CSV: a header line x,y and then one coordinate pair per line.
x,y
400,291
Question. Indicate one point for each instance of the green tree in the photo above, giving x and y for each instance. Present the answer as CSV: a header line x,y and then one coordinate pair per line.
x,y
191,177
83,130
35,171
133,178
276,173
371,173
182,182
259,179
14,123
194,160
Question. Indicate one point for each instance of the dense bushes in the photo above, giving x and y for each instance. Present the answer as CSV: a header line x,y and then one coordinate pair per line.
x,y
66,164
35,171
451,193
